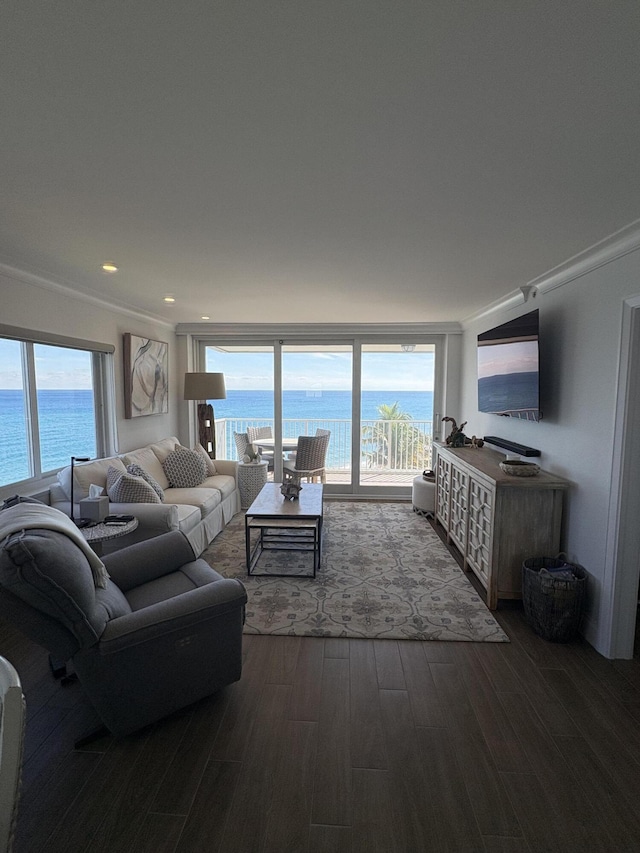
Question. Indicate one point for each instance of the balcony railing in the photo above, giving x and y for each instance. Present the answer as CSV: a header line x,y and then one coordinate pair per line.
x,y
385,445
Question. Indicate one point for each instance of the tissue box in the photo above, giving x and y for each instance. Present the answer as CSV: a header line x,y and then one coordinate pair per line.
x,y
95,509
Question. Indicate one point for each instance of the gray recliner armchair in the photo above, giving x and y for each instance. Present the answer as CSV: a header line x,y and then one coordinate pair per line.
x,y
165,631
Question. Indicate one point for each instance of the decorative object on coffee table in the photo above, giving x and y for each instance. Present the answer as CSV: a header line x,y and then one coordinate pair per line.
x,y
290,491
518,468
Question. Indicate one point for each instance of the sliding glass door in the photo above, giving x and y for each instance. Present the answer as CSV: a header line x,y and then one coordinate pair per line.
x,y
374,397
396,412
317,395
249,379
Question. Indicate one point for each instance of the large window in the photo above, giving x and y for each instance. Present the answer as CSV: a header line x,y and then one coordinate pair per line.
x,y
51,407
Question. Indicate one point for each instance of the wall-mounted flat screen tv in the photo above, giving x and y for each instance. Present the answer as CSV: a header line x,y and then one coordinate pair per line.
x,y
508,369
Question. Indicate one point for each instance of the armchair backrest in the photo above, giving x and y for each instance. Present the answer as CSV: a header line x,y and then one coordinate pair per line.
x,y
254,433
312,452
242,442
46,583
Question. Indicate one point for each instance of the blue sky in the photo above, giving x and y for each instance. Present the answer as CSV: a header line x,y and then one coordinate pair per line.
x,y
55,367
324,371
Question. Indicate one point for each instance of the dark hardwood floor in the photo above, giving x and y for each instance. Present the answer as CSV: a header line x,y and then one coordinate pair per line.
x,y
329,746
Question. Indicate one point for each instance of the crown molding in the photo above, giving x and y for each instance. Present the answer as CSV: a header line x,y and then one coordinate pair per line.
x,y
611,248
72,292
331,331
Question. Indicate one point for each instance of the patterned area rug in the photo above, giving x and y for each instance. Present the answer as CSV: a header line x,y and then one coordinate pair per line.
x,y
384,574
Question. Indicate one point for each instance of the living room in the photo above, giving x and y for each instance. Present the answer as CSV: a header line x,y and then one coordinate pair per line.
x,y
527,202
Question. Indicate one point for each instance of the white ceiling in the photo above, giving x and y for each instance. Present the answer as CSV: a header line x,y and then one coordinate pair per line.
x,y
334,161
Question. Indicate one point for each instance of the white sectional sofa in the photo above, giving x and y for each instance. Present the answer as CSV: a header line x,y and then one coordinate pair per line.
x,y
201,511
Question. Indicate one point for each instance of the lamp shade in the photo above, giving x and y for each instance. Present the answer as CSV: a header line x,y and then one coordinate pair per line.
x,y
204,386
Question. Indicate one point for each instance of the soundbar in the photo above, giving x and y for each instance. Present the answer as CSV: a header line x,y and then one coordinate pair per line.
x,y
520,449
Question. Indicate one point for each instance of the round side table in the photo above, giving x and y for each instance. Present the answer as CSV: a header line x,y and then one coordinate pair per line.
x,y
101,532
251,478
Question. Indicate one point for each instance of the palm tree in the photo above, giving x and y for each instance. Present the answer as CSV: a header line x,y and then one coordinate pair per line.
x,y
392,441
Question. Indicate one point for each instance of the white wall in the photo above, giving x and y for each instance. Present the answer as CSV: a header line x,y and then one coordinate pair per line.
x,y
580,340
46,308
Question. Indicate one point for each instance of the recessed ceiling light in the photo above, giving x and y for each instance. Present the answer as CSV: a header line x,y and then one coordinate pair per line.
x,y
204,317
109,268
169,299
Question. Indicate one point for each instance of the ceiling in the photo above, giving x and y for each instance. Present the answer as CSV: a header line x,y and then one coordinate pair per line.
x,y
319,162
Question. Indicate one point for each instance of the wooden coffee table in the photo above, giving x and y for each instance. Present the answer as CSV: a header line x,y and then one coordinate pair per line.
x,y
285,525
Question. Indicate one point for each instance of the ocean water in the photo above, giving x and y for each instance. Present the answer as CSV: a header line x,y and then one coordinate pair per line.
x,y
324,405
66,420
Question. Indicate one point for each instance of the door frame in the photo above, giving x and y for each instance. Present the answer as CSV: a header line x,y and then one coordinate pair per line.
x,y
622,561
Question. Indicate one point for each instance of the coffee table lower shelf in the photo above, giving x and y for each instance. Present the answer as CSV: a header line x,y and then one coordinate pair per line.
x,y
283,534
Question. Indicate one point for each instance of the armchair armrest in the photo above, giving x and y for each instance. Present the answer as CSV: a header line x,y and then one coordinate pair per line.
x,y
155,518
182,613
150,559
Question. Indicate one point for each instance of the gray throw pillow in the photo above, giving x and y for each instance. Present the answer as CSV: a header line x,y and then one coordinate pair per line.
x,y
185,468
127,488
138,471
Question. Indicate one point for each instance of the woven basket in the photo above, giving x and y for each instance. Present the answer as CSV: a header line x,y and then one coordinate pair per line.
x,y
553,606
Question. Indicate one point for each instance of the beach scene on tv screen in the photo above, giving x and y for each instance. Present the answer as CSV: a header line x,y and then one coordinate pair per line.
x,y
508,378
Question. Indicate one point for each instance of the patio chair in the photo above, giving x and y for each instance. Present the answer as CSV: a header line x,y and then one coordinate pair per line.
x,y
291,457
242,442
309,461
254,434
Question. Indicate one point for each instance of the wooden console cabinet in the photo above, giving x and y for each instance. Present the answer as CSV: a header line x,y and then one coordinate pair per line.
x,y
494,519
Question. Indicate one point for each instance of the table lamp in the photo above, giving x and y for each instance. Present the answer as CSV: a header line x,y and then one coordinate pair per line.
x,y
205,386
82,522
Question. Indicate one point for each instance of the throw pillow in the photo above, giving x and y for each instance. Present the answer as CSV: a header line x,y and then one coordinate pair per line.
x,y
137,471
208,461
127,488
185,468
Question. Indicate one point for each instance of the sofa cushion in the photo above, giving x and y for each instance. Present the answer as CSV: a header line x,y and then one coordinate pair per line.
x,y
208,461
87,474
205,500
222,482
147,459
184,468
163,448
127,488
137,471
47,570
